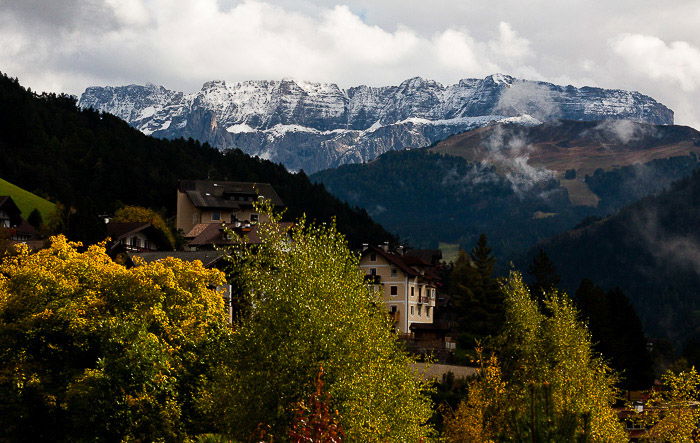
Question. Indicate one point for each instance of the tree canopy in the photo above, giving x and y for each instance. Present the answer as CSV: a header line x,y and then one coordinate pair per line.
x,y
90,350
309,307
544,383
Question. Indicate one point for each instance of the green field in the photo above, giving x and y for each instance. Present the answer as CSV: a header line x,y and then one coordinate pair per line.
x,y
26,201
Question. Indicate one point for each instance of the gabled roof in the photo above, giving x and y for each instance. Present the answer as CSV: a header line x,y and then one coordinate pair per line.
x,y
407,264
118,230
227,195
8,205
204,234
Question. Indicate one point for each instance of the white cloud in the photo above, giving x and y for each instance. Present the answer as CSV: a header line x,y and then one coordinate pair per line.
x,y
677,62
67,45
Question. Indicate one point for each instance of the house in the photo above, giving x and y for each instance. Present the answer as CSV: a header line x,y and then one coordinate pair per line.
x,y
17,229
136,237
209,236
201,202
407,283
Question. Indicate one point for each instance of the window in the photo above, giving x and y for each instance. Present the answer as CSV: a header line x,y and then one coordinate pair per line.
x,y
420,308
420,291
253,218
215,216
412,293
394,290
373,257
411,310
393,272
427,311
392,309
372,271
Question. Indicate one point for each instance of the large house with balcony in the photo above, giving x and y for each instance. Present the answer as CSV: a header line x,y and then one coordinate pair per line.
x,y
202,202
407,283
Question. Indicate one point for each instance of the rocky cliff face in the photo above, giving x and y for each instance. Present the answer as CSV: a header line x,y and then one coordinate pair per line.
x,y
313,126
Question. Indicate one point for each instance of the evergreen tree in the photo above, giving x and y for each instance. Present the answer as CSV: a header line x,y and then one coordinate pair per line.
x,y
617,333
474,293
544,273
35,219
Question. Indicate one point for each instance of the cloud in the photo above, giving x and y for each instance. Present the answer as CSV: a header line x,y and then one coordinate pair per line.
x,y
530,98
67,45
181,44
677,62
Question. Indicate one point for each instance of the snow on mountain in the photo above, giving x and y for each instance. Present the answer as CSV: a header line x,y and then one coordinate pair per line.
x,y
314,126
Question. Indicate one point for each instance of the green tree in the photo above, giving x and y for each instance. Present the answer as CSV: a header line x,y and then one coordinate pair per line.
x,y
308,306
90,350
474,292
545,382
544,273
617,333
35,219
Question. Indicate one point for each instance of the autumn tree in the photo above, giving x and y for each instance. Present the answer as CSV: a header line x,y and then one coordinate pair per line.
x,y
90,350
671,414
139,214
308,306
544,383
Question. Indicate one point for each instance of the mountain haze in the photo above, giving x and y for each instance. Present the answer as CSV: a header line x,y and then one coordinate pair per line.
x,y
519,185
314,126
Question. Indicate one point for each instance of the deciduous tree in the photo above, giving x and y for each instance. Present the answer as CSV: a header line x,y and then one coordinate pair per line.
x,y
90,350
308,306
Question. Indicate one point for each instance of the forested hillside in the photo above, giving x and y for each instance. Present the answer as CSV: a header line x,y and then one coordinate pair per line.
x,y
92,163
651,249
428,198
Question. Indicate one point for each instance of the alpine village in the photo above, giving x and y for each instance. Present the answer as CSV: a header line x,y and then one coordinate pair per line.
x,y
492,259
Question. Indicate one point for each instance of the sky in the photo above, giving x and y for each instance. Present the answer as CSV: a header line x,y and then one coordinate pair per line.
x,y
67,45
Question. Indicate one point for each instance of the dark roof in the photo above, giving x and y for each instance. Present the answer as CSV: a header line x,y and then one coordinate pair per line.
x,y
213,233
432,256
407,264
118,230
208,258
25,228
222,194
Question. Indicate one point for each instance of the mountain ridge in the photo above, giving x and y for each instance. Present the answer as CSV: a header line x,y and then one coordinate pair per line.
x,y
314,126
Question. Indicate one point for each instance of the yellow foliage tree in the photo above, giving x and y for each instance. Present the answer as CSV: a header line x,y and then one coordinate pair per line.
x,y
90,350
673,414
545,385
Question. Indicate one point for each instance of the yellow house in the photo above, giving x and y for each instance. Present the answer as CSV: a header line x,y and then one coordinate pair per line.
x,y
201,203
407,284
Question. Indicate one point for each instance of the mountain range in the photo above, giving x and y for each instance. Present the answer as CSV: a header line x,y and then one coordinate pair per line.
x,y
315,126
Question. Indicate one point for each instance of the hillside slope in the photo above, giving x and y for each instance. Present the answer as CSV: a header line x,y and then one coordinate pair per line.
x,y
26,201
95,162
651,249
518,185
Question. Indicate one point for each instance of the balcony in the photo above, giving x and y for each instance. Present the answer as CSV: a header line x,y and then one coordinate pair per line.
x,y
373,279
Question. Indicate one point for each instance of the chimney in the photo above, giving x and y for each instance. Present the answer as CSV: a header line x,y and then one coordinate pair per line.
x,y
385,246
401,250
365,246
